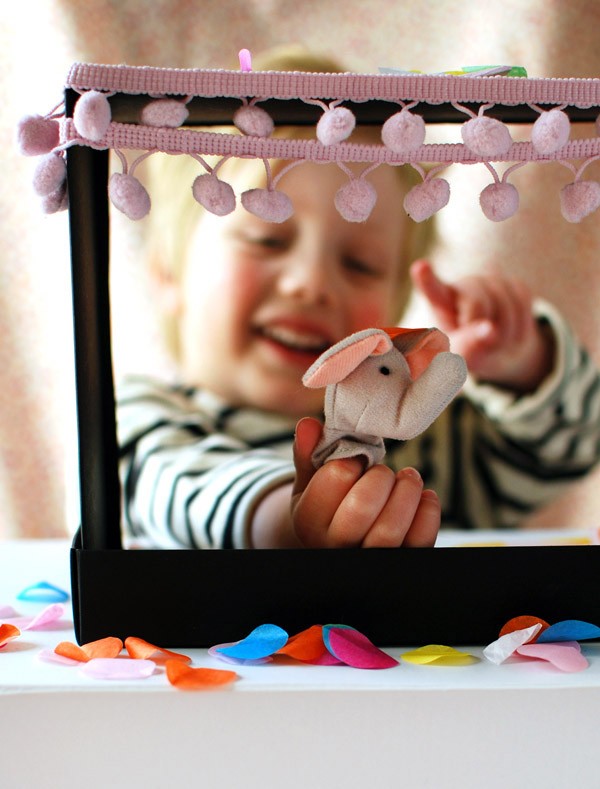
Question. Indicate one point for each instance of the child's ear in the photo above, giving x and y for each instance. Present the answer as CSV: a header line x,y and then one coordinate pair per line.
x,y
165,289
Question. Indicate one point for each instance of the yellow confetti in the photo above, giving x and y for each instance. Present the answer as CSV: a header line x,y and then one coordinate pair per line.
x,y
440,655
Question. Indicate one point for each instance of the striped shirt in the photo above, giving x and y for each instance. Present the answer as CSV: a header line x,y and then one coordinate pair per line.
x,y
193,468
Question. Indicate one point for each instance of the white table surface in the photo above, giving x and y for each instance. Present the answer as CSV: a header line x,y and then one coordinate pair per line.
x,y
518,724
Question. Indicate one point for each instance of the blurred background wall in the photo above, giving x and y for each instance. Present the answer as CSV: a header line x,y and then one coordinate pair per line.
x,y
38,42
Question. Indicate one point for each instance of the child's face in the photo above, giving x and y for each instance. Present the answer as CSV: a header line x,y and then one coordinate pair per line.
x,y
259,301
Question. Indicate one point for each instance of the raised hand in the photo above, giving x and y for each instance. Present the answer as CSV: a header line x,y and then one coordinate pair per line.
x,y
490,322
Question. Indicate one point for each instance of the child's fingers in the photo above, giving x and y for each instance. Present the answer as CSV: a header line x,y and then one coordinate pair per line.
x,y
426,523
390,527
308,433
441,295
361,507
474,342
315,507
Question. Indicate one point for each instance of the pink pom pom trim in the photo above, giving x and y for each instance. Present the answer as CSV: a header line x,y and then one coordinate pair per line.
x,y
268,204
128,195
403,132
253,121
56,201
49,174
579,199
335,125
215,195
92,115
165,113
37,135
499,201
486,137
355,200
550,131
425,199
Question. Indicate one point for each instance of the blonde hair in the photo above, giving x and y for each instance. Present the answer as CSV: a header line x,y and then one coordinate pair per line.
x,y
175,213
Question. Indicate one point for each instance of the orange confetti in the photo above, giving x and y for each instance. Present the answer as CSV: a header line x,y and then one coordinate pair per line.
x,y
108,647
7,633
306,646
188,678
523,622
143,650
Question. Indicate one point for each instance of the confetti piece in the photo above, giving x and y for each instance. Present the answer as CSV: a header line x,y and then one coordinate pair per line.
x,y
523,622
48,616
71,651
43,592
565,656
261,642
187,678
142,650
355,649
7,612
7,633
216,653
50,656
306,646
569,630
440,655
118,668
501,649
102,648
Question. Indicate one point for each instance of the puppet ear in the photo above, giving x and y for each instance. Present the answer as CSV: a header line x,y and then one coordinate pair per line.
x,y
345,356
419,346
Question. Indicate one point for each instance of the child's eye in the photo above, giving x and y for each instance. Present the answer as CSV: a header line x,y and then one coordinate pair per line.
x,y
358,266
263,241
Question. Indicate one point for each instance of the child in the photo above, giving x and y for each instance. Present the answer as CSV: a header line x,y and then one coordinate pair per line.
x,y
221,460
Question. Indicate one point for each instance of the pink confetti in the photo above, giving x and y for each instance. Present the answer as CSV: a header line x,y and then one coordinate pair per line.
x,y
118,668
565,656
50,656
52,613
355,649
8,612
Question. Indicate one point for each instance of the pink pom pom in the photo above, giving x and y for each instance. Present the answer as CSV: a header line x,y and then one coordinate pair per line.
x,y
253,121
49,174
499,201
56,201
37,135
268,204
355,200
403,132
579,199
92,115
335,125
425,199
128,195
550,131
164,112
215,195
486,137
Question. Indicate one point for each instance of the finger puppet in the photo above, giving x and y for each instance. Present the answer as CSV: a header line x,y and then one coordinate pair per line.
x,y
382,383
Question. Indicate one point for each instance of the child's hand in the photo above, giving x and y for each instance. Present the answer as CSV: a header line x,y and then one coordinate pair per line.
x,y
490,323
341,506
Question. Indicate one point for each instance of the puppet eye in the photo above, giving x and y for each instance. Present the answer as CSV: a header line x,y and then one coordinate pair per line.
x,y
384,370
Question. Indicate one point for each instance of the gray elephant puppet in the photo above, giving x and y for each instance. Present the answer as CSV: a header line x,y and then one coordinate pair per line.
x,y
382,383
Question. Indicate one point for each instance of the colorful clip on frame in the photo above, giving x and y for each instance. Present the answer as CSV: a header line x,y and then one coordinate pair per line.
x,y
197,598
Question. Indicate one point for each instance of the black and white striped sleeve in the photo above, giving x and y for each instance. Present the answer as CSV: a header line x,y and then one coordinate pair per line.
x,y
192,470
514,454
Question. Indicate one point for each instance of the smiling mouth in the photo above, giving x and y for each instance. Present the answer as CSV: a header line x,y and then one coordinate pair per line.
x,y
300,341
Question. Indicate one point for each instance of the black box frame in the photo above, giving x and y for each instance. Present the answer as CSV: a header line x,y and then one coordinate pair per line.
x,y
198,598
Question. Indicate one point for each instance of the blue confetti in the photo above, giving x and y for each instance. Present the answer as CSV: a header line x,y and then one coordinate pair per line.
x,y
43,592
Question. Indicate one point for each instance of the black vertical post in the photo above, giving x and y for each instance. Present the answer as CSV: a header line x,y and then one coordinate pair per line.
x,y
87,172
